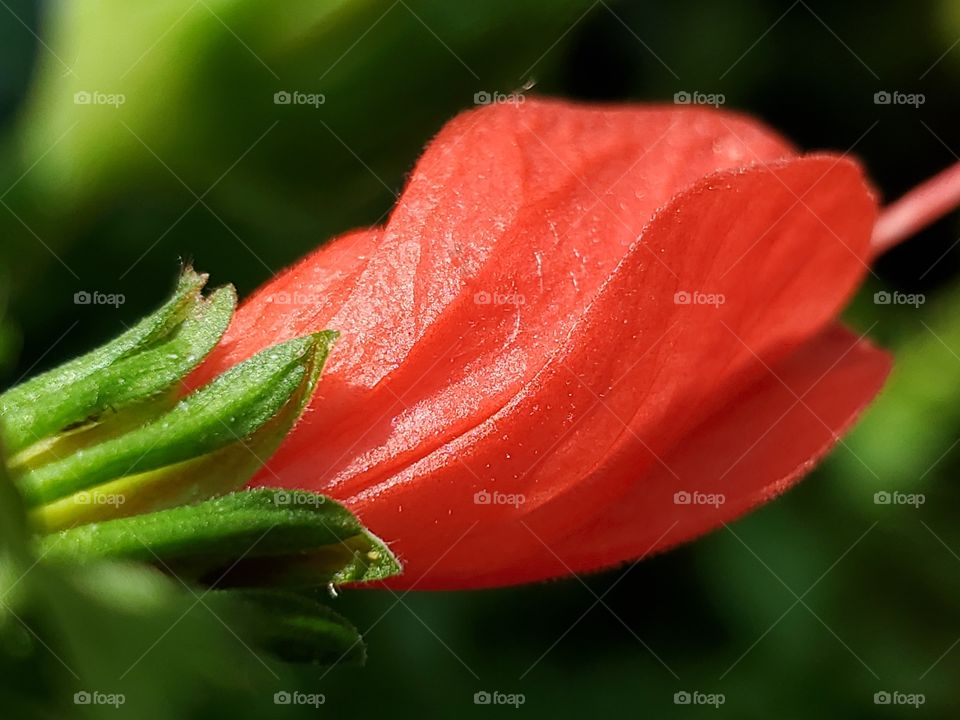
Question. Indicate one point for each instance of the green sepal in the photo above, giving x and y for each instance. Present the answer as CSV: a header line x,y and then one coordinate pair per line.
x,y
244,539
210,443
141,364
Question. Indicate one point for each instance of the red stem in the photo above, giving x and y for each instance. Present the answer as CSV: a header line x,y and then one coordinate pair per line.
x,y
921,206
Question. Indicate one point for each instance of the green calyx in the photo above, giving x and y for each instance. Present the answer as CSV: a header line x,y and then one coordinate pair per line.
x,y
234,413
242,539
115,459
141,365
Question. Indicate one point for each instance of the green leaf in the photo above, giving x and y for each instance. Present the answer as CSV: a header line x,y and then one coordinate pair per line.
x,y
139,365
227,411
244,539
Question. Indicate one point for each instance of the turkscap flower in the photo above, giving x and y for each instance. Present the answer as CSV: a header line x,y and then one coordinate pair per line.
x,y
585,334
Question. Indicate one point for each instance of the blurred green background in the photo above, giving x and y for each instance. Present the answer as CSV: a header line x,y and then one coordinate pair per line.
x,y
806,608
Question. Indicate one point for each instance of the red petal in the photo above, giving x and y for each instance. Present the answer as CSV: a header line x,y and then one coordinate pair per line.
x,y
750,451
431,397
298,301
541,200
785,265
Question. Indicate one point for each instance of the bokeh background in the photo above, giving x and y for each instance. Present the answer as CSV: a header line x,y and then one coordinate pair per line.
x,y
806,608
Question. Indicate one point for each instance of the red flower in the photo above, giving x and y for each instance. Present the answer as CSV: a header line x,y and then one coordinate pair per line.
x,y
585,334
